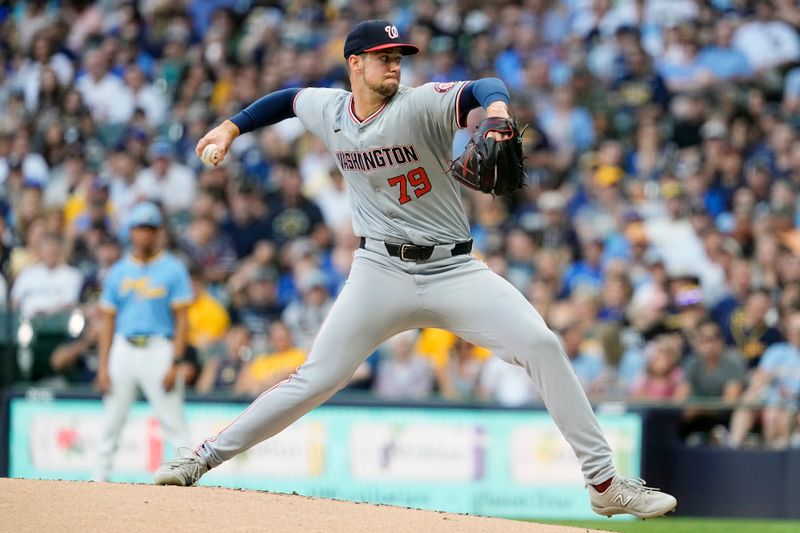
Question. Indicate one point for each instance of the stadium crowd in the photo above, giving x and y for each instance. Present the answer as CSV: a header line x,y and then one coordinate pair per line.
x,y
659,234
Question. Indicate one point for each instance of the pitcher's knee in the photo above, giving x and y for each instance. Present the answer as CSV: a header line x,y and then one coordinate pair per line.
x,y
327,386
540,345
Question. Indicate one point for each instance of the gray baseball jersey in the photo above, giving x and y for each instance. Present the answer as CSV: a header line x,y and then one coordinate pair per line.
x,y
395,160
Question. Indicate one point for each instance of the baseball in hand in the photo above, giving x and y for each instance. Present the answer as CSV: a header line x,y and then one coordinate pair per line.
x,y
211,154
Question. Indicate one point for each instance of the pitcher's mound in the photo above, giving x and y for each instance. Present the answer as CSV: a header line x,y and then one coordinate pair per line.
x,y
34,505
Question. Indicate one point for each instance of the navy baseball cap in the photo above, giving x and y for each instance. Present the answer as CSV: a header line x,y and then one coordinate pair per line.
x,y
374,35
145,214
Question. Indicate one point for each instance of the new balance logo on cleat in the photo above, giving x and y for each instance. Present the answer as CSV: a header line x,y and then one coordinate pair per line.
x,y
622,499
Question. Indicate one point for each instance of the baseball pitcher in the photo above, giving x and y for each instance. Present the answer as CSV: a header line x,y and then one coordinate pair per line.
x,y
414,268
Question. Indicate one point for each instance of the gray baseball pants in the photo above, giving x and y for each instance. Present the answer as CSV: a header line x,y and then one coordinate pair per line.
x,y
384,296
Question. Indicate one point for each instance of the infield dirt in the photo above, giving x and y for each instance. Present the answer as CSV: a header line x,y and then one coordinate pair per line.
x,y
67,506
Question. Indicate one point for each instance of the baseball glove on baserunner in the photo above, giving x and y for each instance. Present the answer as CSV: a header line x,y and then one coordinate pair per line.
x,y
489,165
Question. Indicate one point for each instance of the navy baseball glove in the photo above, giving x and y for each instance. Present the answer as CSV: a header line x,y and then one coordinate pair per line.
x,y
489,165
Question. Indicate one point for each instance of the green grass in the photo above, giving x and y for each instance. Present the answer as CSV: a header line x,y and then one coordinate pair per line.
x,y
689,525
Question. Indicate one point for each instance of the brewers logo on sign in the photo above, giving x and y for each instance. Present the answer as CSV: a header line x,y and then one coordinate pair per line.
x,y
444,87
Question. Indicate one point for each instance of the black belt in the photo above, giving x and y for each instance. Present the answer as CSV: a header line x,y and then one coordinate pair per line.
x,y
415,252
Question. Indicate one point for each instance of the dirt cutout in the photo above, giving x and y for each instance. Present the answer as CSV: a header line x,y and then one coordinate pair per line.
x,y
67,506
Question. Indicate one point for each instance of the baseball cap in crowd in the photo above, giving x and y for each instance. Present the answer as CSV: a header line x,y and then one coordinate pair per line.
x,y
145,214
374,35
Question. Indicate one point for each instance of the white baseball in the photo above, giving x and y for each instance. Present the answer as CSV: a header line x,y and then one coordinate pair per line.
x,y
210,154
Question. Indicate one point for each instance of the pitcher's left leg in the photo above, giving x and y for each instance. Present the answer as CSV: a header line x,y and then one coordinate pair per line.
x,y
483,308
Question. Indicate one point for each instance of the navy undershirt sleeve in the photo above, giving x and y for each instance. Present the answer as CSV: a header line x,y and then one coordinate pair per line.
x,y
267,110
481,93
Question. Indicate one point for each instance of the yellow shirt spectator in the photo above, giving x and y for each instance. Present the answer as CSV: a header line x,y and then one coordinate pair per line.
x,y
267,365
436,344
77,203
208,321
267,370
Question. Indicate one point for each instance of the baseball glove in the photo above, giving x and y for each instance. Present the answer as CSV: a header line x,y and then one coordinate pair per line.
x,y
491,166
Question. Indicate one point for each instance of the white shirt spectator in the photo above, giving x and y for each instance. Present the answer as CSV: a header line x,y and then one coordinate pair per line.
x,y
123,196
767,44
145,96
107,98
585,18
175,190
506,384
152,102
334,202
29,77
34,168
42,290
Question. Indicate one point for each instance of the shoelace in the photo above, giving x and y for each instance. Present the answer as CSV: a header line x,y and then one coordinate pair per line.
x,y
186,456
637,484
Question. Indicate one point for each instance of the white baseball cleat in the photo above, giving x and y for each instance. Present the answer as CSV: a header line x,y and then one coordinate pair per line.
x,y
631,496
185,471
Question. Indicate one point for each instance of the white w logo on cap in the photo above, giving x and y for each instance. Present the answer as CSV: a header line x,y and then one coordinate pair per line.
x,y
392,31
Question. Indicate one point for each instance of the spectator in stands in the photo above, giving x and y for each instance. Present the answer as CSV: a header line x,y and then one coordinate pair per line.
x,y
775,384
144,95
166,181
207,248
747,328
402,373
711,373
458,378
304,315
766,41
588,271
65,177
687,72
663,375
333,200
506,385
207,317
103,93
77,360
221,371
617,292
271,368
568,127
293,215
103,256
121,172
257,307
50,286
588,367
22,157
247,220
556,228
719,57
